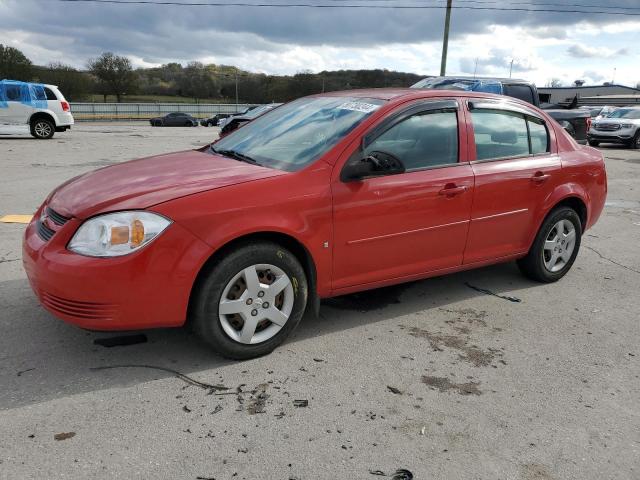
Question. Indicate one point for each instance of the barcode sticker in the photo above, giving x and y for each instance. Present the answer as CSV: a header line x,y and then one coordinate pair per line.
x,y
358,107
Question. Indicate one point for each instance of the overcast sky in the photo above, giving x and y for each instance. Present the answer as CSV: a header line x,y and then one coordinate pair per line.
x,y
542,45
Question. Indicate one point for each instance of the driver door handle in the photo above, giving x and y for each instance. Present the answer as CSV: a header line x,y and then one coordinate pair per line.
x,y
540,177
451,189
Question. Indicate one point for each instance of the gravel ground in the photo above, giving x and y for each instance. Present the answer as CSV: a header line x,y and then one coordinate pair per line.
x,y
432,377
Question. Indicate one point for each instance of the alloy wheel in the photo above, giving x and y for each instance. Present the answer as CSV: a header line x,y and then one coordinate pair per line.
x,y
256,303
559,246
42,129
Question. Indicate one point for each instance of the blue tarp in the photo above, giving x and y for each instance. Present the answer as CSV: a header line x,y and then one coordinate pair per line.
x,y
487,86
30,94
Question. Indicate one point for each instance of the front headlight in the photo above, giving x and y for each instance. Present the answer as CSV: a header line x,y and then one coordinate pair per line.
x,y
627,125
116,234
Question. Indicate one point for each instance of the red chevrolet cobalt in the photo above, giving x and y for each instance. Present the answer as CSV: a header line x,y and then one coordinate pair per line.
x,y
326,195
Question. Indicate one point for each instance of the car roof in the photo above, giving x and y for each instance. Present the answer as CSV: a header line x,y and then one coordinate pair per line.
x,y
400,95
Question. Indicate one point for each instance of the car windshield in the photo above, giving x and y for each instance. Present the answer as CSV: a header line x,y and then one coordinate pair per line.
x,y
296,134
256,112
632,113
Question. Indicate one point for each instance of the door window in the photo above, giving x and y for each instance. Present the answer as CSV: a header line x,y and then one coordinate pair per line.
x,y
425,140
499,134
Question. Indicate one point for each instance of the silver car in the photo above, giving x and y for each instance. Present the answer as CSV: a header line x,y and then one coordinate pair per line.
x,y
621,126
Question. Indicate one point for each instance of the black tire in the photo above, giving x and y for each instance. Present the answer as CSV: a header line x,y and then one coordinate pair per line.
x,y
635,143
532,266
594,143
42,128
208,291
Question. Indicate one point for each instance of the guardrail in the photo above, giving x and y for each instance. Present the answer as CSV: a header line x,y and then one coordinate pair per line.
x,y
144,111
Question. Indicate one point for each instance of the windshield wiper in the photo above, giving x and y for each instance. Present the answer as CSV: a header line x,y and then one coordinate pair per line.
x,y
236,155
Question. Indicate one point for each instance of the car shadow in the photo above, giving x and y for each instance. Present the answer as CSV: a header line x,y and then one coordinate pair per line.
x,y
42,358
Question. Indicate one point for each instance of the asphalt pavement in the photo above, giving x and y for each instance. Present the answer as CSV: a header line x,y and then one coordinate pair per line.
x,y
433,377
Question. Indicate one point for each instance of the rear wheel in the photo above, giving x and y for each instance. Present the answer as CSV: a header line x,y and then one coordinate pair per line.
x,y
250,301
42,129
555,247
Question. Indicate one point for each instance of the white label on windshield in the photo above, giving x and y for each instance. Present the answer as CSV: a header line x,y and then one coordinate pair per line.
x,y
358,107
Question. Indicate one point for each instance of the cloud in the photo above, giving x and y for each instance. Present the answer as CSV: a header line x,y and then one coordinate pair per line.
x,y
580,51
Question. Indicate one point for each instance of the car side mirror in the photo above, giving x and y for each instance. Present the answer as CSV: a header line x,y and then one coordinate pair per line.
x,y
374,164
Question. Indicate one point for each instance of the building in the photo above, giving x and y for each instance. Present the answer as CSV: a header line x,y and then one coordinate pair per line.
x,y
565,95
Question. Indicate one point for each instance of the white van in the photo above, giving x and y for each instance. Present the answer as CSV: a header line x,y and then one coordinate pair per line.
x,y
42,107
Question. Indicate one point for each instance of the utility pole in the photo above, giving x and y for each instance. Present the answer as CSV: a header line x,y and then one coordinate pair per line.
x,y
475,69
445,40
511,67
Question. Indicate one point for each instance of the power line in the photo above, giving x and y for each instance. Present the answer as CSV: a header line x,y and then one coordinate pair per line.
x,y
351,6
500,2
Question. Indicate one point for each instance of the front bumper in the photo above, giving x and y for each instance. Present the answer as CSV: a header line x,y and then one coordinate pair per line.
x,y
617,136
146,289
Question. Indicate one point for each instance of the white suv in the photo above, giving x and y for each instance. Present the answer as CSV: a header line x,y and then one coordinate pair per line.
x,y
40,106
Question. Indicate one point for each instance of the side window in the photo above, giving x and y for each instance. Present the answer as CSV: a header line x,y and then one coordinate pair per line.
x,y
539,136
499,134
13,93
521,92
49,93
427,139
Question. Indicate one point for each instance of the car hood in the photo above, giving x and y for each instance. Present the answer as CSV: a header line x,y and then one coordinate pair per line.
x,y
139,184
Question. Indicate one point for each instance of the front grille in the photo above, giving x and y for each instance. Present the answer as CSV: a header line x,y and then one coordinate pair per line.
x,y
85,310
607,127
56,218
45,232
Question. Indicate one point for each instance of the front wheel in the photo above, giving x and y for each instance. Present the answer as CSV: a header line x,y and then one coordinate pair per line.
x,y
635,143
594,143
555,247
246,304
42,128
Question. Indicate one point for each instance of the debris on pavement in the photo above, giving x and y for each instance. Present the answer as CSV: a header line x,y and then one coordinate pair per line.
x,y
121,340
301,403
443,384
394,390
64,436
257,402
19,374
400,474
489,292
181,376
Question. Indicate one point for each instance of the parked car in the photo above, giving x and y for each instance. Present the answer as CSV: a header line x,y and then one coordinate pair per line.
x,y
232,123
41,106
176,119
599,111
215,120
327,195
621,126
575,121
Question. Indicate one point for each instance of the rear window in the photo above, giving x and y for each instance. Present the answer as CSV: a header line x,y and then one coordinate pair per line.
x,y
50,94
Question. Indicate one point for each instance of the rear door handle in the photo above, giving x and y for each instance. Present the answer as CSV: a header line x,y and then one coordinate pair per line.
x,y
540,177
451,189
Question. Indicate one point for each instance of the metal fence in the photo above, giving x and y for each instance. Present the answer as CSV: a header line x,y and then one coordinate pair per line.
x,y
144,111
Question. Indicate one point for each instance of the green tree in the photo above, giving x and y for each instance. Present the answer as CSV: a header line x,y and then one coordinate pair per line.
x,y
114,73
14,65
73,83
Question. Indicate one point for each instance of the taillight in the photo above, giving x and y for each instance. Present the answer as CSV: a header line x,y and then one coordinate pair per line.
x,y
588,123
64,105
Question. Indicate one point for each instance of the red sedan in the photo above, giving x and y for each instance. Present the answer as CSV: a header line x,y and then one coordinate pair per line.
x,y
326,195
